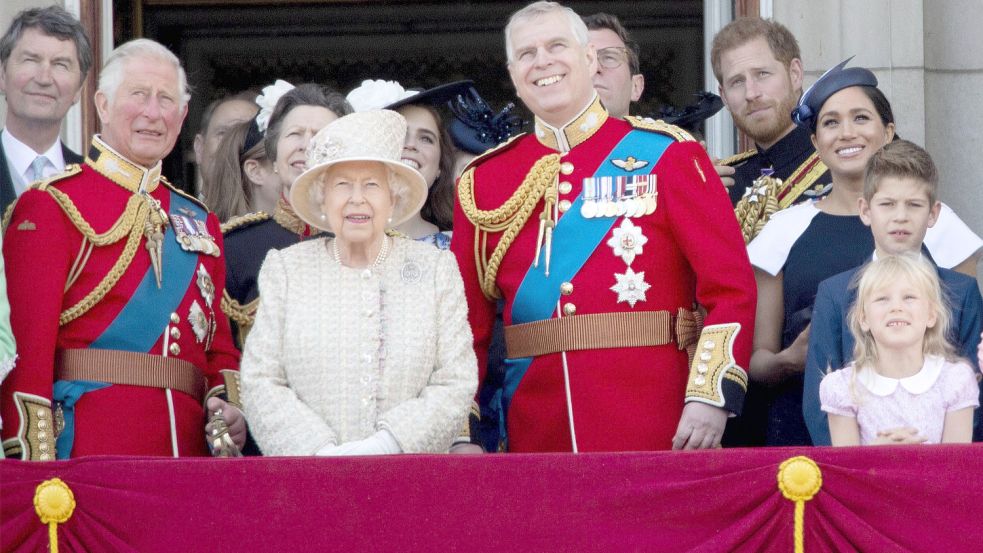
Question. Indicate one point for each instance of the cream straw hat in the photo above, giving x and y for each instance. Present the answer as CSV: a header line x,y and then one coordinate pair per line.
x,y
376,135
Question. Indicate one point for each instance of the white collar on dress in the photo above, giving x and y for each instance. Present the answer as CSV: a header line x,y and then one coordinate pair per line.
x,y
918,383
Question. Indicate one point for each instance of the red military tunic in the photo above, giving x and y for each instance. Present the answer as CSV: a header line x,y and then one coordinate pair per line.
x,y
59,250
688,251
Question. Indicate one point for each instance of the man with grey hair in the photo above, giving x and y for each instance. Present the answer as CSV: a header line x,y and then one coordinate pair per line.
x,y
115,283
601,236
44,57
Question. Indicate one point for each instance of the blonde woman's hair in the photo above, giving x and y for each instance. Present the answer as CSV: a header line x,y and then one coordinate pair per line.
x,y
913,269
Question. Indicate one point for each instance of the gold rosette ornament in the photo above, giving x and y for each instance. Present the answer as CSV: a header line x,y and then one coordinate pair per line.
x,y
54,504
799,479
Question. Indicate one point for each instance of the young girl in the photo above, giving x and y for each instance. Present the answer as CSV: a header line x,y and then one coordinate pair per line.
x,y
905,385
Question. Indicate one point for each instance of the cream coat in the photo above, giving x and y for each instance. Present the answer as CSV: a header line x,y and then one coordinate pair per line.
x,y
338,353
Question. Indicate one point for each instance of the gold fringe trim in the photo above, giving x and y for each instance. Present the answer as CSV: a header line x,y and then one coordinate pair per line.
x,y
737,158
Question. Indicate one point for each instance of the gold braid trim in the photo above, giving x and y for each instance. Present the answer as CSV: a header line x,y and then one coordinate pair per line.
x,y
660,127
510,217
244,220
737,158
243,315
7,214
110,280
756,208
122,226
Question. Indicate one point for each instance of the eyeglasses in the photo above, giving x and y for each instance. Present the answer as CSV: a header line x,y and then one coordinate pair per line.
x,y
612,57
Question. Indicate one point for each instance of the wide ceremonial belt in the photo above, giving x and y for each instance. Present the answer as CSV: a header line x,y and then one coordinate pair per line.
x,y
603,331
131,368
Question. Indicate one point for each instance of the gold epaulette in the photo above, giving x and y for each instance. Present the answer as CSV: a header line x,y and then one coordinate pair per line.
x,y
244,221
661,127
71,170
737,158
494,151
180,192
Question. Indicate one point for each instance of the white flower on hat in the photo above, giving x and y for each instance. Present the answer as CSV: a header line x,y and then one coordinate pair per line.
x,y
267,101
377,94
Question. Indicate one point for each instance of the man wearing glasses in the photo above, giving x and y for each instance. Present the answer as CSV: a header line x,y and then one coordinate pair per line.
x,y
618,80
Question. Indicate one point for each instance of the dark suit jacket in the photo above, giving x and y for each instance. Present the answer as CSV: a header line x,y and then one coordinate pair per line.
x,y
831,343
7,194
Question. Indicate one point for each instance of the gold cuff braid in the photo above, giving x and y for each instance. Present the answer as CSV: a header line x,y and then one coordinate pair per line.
x,y
508,219
713,362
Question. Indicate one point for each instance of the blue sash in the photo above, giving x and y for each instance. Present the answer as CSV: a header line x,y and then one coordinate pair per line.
x,y
139,324
574,240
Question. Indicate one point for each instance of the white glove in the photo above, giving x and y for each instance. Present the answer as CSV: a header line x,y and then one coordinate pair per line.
x,y
380,443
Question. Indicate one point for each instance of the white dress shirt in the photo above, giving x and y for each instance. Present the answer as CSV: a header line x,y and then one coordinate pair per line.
x,y
20,156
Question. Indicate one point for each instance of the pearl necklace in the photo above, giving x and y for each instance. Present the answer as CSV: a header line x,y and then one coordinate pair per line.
x,y
383,252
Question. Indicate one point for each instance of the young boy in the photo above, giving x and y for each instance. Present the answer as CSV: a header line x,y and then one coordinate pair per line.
x,y
899,204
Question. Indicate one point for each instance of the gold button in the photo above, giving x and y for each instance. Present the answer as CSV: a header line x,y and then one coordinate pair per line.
x,y
42,436
564,206
569,309
566,288
175,333
175,319
702,368
708,344
43,446
174,349
44,457
565,187
706,356
699,380
42,425
42,413
566,168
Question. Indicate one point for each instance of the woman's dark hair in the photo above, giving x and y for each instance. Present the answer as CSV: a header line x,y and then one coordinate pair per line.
x,y
225,188
439,207
881,105
307,94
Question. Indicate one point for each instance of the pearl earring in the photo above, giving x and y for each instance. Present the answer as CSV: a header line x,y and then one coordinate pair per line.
x,y
390,220
323,216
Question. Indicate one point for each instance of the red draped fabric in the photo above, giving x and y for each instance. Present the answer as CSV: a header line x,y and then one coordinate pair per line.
x,y
881,499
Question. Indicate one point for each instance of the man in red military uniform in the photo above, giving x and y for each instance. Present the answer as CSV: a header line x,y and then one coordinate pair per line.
x,y
609,241
115,280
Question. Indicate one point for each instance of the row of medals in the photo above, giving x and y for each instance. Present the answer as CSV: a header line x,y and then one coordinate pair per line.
x,y
615,203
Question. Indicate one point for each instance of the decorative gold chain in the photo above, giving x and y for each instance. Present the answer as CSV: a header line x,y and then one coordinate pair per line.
x,y
510,216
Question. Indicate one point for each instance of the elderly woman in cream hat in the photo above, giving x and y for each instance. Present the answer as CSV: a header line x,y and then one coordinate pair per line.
x,y
361,345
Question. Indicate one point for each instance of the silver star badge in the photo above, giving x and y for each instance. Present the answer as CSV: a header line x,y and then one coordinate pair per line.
x,y
631,287
627,241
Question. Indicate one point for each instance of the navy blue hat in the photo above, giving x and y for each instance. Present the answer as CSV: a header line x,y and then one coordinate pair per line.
x,y
435,96
831,82
689,118
476,128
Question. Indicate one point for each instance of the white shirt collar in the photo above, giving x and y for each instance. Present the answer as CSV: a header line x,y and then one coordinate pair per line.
x,y
918,383
20,155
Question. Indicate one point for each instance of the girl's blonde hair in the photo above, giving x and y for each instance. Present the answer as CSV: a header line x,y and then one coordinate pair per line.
x,y
923,276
